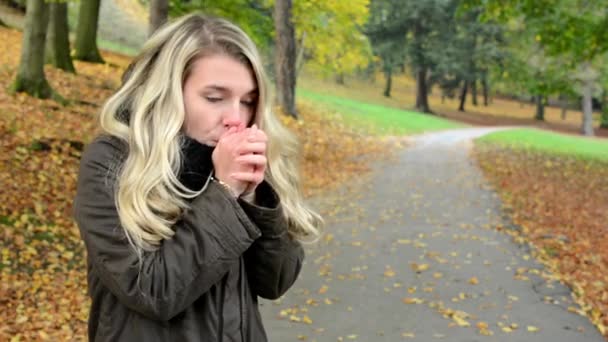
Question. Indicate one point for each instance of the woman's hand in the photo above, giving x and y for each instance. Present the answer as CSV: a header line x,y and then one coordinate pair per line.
x,y
240,160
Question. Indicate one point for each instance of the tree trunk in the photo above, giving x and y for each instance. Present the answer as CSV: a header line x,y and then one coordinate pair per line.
x,y
86,33
340,78
563,103
463,95
540,108
300,55
486,90
588,77
587,128
57,41
285,56
604,118
388,74
30,76
159,11
422,100
474,92
604,114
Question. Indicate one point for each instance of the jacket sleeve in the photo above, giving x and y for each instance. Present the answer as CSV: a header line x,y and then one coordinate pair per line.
x,y
274,260
208,239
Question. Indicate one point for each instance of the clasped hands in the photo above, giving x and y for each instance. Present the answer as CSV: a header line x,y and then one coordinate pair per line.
x,y
239,159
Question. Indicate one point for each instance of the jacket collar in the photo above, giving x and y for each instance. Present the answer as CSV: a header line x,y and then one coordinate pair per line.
x,y
196,163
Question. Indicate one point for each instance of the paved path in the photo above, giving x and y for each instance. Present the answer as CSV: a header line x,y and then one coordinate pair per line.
x,y
422,231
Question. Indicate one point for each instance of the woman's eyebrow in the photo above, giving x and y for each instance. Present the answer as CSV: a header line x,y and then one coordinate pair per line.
x,y
228,90
217,87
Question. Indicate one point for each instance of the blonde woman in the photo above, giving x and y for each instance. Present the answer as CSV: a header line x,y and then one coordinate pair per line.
x,y
188,204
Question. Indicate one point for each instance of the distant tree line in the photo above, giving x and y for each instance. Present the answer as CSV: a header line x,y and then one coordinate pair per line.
x,y
541,50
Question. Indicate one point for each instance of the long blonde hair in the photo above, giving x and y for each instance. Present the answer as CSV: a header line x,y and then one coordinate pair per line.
x,y
148,114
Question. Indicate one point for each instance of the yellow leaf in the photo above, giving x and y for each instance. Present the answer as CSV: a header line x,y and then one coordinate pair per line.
x,y
419,267
474,281
482,325
532,328
306,320
461,322
389,273
323,289
412,300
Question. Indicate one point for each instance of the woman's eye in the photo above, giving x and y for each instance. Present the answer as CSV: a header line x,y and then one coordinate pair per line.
x,y
248,103
213,99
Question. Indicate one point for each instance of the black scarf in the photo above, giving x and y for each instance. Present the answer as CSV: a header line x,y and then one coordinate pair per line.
x,y
196,163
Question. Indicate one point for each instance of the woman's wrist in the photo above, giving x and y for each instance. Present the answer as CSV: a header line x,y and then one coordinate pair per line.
x,y
227,187
248,197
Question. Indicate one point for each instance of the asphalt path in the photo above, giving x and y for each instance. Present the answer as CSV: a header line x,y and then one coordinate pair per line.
x,y
419,250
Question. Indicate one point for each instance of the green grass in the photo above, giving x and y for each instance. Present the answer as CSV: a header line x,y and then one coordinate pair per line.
x,y
551,143
116,47
378,119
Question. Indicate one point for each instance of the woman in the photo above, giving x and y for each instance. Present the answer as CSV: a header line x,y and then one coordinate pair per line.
x,y
188,203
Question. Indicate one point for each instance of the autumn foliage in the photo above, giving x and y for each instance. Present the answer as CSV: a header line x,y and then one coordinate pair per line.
x,y
560,204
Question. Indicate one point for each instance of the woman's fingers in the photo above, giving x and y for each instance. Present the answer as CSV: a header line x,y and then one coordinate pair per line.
x,y
248,148
256,135
253,159
255,177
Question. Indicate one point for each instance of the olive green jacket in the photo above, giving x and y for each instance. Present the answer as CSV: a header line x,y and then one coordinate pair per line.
x,y
203,283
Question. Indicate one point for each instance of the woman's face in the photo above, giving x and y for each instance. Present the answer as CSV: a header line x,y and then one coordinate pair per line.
x,y
219,93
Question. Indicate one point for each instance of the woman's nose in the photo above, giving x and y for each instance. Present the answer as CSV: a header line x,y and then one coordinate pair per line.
x,y
232,116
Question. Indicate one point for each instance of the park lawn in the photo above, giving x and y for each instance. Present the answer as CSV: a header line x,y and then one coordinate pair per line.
x,y
377,119
554,188
591,149
403,96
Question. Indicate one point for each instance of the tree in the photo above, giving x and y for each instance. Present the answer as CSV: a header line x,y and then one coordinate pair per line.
x,y
471,50
253,16
573,29
330,35
30,76
57,42
604,84
159,11
86,32
422,23
285,57
388,46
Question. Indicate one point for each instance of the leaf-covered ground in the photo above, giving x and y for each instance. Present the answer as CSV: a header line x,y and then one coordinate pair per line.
x,y
560,204
42,267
